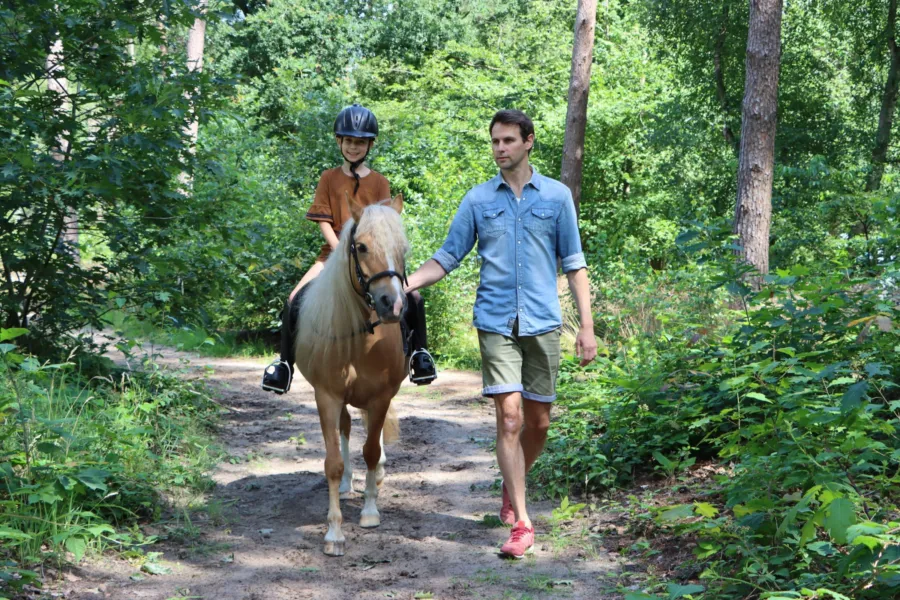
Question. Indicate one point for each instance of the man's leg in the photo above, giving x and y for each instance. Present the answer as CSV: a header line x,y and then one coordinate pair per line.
x,y
534,434
509,451
540,366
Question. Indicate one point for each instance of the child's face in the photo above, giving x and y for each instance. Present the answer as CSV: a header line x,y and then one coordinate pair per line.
x,y
353,148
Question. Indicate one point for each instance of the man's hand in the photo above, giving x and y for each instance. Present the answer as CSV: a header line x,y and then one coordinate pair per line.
x,y
586,345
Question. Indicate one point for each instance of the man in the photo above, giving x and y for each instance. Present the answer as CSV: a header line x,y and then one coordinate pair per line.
x,y
523,223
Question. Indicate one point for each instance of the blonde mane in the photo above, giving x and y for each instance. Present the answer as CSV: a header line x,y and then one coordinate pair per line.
x,y
333,317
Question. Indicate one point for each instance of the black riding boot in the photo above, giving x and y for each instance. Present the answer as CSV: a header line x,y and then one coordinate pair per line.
x,y
278,376
421,364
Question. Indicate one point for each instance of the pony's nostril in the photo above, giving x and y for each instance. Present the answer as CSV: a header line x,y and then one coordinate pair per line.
x,y
385,301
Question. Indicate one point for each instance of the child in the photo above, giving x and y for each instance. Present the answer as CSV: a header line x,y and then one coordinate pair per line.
x,y
355,130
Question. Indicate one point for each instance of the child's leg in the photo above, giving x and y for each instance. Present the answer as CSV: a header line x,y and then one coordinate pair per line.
x,y
415,320
422,371
313,272
278,375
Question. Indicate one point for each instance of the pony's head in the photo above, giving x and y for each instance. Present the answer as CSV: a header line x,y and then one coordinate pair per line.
x,y
378,250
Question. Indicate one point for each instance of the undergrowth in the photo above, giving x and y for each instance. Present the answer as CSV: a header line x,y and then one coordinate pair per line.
x,y
83,460
792,389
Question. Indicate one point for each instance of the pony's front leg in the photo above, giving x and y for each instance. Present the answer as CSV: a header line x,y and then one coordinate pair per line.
x,y
329,412
373,452
346,488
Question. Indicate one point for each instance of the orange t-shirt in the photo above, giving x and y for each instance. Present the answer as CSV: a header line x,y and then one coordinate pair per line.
x,y
330,202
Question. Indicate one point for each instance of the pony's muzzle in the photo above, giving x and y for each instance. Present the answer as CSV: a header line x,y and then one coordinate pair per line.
x,y
390,306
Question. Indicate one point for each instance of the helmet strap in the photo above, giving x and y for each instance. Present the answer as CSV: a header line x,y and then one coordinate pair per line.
x,y
355,165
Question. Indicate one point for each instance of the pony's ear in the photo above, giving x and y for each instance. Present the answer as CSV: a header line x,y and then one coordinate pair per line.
x,y
397,203
356,209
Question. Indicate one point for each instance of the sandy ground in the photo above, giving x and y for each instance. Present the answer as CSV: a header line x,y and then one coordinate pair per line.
x,y
262,538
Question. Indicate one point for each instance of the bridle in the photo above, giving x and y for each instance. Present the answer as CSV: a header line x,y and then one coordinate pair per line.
x,y
364,283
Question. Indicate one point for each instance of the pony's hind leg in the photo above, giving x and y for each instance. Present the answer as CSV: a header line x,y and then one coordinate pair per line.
x,y
329,413
373,452
346,489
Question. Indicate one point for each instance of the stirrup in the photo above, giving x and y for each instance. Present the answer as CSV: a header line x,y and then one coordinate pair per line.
x,y
271,382
422,379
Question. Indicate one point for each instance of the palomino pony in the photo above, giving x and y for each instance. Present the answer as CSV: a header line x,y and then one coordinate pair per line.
x,y
350,349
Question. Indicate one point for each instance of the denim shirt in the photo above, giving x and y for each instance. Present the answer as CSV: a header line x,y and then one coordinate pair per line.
x,y
519,243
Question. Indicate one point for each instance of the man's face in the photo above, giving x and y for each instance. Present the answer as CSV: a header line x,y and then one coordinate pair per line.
x,y
353,148
509,147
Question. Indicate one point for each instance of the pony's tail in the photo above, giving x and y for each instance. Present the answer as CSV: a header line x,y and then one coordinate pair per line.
x,y
391,429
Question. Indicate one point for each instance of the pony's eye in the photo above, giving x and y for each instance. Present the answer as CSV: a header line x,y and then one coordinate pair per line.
x,y
362,248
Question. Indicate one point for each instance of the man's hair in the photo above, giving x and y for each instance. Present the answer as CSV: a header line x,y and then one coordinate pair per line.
x,y
514,117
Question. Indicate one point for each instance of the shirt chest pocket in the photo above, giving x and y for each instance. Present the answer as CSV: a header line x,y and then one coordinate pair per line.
x,y
493,221
541,218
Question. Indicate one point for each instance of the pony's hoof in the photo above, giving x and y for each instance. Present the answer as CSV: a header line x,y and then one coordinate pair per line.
x,y
346,495
369,521
334,548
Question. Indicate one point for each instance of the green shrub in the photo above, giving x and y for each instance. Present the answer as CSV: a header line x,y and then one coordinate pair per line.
x,y
81,460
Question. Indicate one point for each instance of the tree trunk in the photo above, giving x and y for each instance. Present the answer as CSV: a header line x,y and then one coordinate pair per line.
x,y
756,163
579,86
888,104
58,84
195,44
719,75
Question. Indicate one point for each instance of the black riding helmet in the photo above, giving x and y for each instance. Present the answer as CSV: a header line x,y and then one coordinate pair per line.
x,y
358,122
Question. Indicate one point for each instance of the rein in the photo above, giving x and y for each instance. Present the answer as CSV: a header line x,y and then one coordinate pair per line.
x,y
364,283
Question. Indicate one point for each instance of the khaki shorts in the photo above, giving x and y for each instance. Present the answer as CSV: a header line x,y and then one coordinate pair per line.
x,y
527,364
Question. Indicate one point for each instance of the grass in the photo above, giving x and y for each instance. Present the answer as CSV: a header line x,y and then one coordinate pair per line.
x,y
83,459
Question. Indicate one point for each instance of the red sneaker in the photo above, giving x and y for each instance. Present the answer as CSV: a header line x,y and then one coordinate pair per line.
x,y
507,514
520,542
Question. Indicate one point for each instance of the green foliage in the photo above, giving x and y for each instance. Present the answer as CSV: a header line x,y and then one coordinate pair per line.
x,y
81,460
101,156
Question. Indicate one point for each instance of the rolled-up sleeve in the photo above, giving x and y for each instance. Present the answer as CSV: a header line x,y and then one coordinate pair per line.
x,y
568,240
460,239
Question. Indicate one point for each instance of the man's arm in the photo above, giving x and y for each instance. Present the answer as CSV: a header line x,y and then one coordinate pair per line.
x,y
585,342
426,275
460,240
328,233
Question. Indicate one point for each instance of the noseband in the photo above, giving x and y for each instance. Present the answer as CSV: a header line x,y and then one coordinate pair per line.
x,y
364,283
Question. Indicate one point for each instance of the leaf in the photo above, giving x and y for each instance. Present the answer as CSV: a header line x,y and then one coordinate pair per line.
x,y
76,546
155,568
12,333
840,516
8,533
808,533
852,398
704,509
757,396
676,513
679,591
93,478
639,596
866,540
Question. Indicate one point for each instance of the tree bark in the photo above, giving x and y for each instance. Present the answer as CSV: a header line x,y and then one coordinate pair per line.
x,y
579,86
756,163
719,75
195,44
888,104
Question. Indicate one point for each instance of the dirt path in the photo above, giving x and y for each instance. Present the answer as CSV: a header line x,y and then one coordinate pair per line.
x,y
260,536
